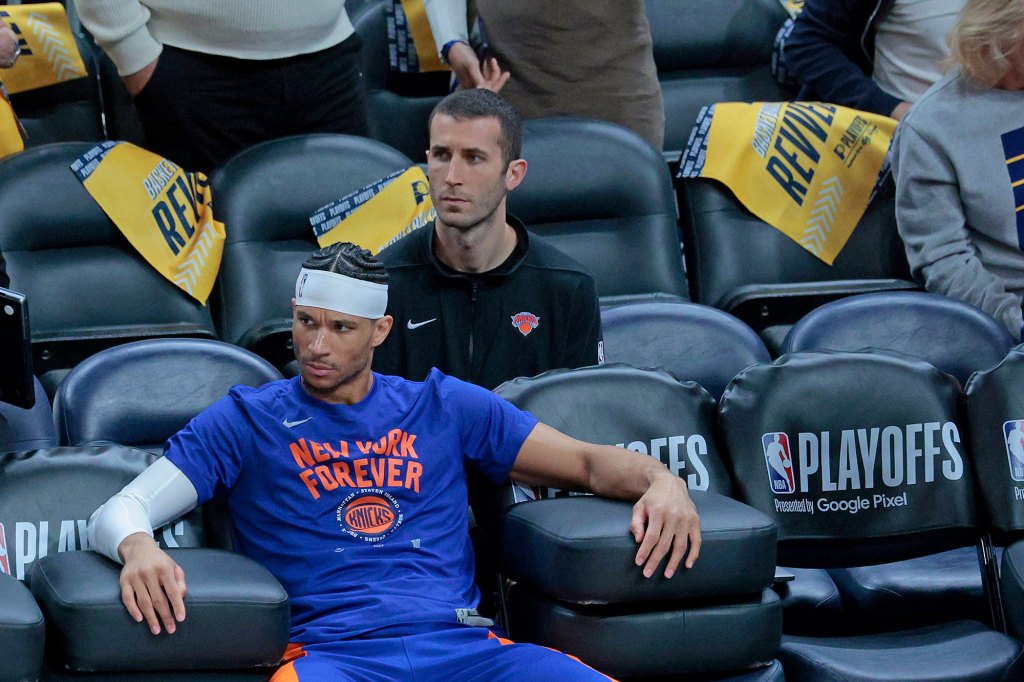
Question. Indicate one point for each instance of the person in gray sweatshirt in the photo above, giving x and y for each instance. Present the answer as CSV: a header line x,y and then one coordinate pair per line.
x,y
958,158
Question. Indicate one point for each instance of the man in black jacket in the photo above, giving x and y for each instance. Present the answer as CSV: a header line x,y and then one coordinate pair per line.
x,y
474,294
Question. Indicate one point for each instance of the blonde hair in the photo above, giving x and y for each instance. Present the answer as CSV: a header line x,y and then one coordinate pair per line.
x,y
985,32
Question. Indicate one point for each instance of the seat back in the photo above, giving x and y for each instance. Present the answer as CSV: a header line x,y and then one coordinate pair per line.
x,y
860,457
140,394
601,194
22,429
955,337
692,342
48,495
88,287
995,412
707,54
71,111
399,104
612,404
741,264
265,196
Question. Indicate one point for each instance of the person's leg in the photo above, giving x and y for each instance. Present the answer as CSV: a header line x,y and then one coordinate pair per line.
x,y
199,110
324,93
380,660
478,655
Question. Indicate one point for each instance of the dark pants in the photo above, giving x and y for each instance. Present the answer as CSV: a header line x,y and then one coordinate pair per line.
x,y
199,110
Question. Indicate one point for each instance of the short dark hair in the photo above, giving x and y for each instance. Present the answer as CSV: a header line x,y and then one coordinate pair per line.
x,y
480,103
351,260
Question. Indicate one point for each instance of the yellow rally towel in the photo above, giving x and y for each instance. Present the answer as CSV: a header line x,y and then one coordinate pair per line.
x,y
411,45
805,168
792,7
165,212
12,133
379,214
49,53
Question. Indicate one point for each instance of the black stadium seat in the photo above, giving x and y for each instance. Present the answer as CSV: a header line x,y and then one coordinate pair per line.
x,y
22,630
958,339
71,111
399,104
744,266
27,429
46,498
691,342
953,336
601,194
265,196
706,55
995,409
140,394
607,613
861,458
87,286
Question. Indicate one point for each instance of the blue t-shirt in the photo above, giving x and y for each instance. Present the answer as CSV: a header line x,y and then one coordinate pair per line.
x,y
359,510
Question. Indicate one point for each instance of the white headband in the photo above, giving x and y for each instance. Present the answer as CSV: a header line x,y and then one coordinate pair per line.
x,y
342,294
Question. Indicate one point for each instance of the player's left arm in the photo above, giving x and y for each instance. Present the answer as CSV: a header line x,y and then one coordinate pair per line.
x,y
665,521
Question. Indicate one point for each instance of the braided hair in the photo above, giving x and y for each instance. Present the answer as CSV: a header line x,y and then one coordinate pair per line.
x,y
351,260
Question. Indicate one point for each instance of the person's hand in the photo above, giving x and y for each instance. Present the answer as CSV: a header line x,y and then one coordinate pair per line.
x,y
152,585
469,72
665,520
900,111
135,82
8,46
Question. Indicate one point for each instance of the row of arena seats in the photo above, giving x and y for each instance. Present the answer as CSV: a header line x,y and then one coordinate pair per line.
x,y
909,454
702,56
581,175
595,190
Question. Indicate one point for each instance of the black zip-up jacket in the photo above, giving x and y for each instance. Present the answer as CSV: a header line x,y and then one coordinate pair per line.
x,y
536,311
831,50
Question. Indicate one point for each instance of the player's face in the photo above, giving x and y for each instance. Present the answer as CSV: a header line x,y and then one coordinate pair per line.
x,y
468,177
335,350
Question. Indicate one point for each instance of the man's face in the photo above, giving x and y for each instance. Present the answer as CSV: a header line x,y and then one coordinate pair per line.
x,y
334,349
468,177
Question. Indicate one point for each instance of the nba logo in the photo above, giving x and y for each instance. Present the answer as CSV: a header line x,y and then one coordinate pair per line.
x,y
779,461
1013,436
5,565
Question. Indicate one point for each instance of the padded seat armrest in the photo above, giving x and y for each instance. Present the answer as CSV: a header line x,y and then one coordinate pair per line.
x,y
236,614
1011,587
21,632
580,550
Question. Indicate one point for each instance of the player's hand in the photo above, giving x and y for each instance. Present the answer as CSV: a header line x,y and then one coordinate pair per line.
x,y
152,585
665,523
8,46
469,72
135,82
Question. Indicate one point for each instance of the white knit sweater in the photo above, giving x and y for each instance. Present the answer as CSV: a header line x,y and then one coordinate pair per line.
x,y
132,32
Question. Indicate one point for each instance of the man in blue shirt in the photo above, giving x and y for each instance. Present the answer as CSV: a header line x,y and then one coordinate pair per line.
x,y
349,487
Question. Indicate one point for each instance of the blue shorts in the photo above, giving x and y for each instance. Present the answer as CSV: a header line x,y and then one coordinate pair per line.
x,y
459,653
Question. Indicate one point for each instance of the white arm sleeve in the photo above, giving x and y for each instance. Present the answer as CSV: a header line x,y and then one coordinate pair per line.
x,y
157,496
447,19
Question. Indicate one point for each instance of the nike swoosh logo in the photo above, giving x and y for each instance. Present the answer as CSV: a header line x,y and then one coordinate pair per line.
x,y
295,423
414,325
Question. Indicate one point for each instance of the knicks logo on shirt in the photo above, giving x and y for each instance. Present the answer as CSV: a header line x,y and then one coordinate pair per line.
x,y
370,515
525,322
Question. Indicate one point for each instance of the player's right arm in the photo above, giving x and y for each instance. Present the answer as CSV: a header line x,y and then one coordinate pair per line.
x,y
152,585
